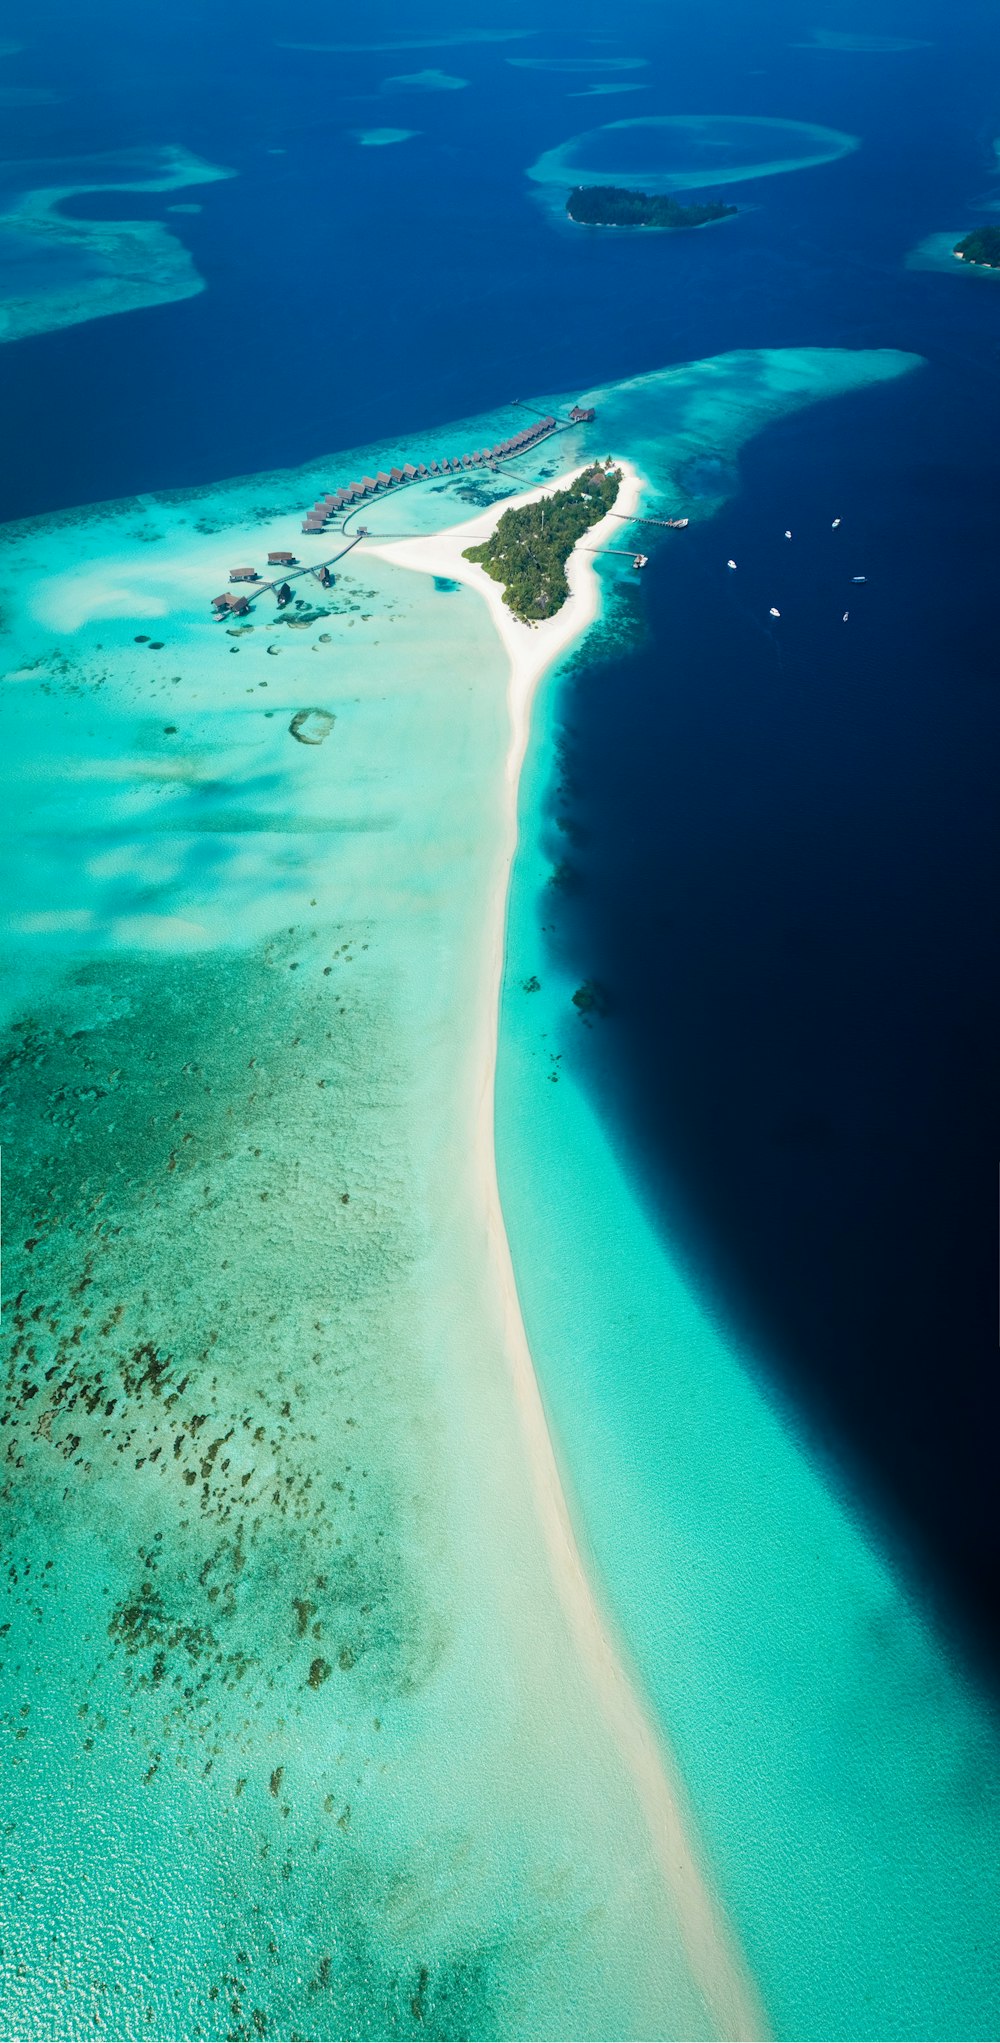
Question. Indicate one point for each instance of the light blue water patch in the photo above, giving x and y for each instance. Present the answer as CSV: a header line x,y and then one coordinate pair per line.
x,y
579,65
846,1777
856,42
423,81
57,272
453,41
685,152
601,91
937,252
28,95
382,138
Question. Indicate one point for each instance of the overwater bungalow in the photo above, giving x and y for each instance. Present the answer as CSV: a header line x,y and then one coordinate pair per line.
x,y
281,558
243,574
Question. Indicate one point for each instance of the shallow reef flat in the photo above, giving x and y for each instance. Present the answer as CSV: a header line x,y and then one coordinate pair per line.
x,y
57,271
304,1740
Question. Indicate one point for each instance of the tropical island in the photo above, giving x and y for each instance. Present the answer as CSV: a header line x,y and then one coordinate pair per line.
x,y
611,205
981,246
530,547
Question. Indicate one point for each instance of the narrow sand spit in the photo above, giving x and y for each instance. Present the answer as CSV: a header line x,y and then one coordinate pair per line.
x,y
717,1964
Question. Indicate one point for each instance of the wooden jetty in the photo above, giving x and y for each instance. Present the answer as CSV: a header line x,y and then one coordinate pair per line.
x,y
340,502
337,506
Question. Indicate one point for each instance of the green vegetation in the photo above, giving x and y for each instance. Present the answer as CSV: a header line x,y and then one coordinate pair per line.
x,y
530,547
609,205
982,246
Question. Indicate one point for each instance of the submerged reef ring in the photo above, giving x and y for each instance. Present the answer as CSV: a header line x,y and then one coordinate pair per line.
x,y
688,152
311,726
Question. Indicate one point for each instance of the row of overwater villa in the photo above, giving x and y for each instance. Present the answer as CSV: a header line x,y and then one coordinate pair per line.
x,y
341,500
233,604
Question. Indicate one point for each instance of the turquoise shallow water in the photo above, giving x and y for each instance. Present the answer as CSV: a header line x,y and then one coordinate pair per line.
x,y
300,1743
845,1773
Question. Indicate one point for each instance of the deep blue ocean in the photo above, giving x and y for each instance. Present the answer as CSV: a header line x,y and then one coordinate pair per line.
x,y
781,848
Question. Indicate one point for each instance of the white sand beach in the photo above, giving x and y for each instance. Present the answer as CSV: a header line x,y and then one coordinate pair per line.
x,y
716,1963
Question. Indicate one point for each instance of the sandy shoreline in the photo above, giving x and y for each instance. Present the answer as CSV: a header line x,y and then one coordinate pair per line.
x,y
715,1962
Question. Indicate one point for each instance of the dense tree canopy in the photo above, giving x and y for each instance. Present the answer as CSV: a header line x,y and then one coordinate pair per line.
x,y
530,547
608,205
982,246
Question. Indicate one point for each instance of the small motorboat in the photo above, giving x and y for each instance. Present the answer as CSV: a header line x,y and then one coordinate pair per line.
x,y
773,612
788,535
730,564
836,522
640,560
846,615
859,578
676,524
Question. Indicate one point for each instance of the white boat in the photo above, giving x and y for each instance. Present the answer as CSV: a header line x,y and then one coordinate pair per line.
x,y
788,535
836,522
846,615
859,578
773,612
730,563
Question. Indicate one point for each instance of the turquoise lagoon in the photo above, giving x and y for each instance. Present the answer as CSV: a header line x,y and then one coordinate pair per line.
x,y
301,1740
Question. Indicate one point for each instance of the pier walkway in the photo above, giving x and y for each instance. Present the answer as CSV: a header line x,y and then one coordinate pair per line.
x,y
250,592
335,511
346,501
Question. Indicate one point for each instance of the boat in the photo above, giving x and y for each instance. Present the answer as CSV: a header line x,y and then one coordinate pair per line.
x,y
788,535
859,578
773,612
846,616
640,560
677,524
836,522
730,563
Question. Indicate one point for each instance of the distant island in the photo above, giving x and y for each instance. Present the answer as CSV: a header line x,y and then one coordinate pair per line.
x,y
610,205
981,246
530,547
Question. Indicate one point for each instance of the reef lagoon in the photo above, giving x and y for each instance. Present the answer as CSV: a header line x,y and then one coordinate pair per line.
x,y
310,1736
498,1123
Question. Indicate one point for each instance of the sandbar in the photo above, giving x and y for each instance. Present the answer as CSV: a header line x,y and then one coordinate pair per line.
x,y
715,1962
